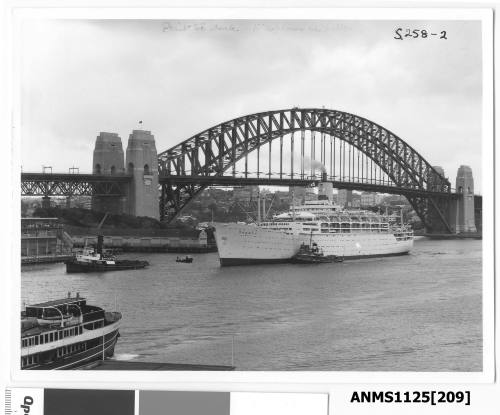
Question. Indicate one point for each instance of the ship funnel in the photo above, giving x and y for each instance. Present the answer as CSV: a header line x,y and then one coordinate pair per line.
x,y
325,189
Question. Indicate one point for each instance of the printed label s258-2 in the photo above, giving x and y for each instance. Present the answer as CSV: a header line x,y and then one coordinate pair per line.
x,y
408,33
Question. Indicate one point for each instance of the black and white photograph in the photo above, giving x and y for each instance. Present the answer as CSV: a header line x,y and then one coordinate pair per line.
x,y
254,194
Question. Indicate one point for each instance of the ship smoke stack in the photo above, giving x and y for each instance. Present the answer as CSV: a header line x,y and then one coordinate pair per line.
x,y
313,164
325,188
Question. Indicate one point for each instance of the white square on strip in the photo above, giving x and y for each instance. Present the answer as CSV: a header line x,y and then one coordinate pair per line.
x,y
24,401
264,403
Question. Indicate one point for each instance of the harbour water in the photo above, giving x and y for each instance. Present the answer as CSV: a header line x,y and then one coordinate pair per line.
x,y
418,312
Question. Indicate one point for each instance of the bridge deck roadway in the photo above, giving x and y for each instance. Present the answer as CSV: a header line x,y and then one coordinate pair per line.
x,y
228,181
248,181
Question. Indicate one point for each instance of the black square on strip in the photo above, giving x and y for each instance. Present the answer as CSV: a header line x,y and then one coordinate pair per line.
x,y
88,402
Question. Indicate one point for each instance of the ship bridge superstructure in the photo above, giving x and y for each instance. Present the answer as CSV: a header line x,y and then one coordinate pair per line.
x,y
323,217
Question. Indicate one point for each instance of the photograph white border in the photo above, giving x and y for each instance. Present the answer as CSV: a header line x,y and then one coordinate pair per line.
x,y
245,380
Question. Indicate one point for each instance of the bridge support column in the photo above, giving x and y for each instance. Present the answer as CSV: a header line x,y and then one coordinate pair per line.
x,y
463,208
108,160
142,164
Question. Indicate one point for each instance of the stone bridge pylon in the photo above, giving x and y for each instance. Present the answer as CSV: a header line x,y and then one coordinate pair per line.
x,y
141,162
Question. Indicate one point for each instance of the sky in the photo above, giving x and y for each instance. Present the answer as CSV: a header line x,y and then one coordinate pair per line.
x,y
180,77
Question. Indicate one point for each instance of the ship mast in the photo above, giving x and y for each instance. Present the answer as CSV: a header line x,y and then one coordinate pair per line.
x,y
258,205
401,214
264,214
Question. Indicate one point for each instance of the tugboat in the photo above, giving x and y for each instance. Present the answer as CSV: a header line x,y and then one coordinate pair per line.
x,y
186,259
90,260
66,334
310,254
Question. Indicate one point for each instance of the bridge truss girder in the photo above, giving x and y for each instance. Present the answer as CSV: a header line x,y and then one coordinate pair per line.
x,y
432,210
176,196
34,184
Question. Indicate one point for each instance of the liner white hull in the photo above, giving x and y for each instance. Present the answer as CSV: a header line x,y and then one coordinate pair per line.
x,y
244,244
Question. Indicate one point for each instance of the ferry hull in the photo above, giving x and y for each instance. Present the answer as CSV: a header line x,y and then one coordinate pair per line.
x,y
76,360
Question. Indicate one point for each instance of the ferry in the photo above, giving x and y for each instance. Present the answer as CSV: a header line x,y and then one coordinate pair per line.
x,y
66,334
348,234
95,260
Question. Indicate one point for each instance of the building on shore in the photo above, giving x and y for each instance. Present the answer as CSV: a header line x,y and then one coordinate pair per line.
x,y
370,199
245,194
43,240
356,200
345,198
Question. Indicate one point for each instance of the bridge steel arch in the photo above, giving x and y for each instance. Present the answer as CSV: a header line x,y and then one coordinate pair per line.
x,y
215,150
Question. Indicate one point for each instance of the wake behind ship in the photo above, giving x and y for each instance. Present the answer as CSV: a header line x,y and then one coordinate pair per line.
x,y
66,334
350,234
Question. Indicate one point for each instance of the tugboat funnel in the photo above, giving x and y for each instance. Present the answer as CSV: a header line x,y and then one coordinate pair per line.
x,y
100,240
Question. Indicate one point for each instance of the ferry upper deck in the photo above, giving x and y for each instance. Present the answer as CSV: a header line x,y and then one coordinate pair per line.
x,y
53,320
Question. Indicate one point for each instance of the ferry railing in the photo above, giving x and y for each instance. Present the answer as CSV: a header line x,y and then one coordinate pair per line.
x,y
93,315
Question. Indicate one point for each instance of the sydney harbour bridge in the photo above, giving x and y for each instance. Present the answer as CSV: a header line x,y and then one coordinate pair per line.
x,y
291,147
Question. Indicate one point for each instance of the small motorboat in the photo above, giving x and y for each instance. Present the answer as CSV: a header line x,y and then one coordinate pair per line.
x,y
186,259
311,254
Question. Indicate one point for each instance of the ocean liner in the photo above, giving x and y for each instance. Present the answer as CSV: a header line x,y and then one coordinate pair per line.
x,y
350,234
66,334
